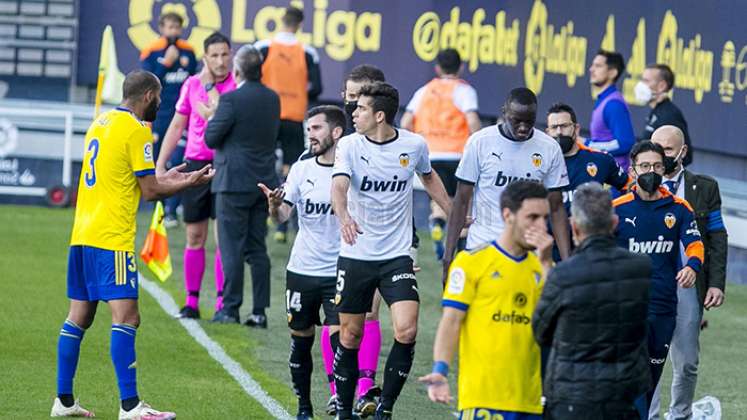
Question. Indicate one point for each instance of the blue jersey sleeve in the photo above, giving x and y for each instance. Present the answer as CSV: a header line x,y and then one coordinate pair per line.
x,y
617,118
616,176
690,237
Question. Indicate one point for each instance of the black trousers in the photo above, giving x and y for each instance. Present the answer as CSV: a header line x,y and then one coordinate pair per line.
x,y
242,228
610,410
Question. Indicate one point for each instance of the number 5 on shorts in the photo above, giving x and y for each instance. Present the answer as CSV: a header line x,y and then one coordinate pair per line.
x,y
293,301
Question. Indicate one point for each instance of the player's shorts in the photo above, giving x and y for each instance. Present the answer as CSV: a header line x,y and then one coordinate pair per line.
x,y
95,274
357,281
304,296
198,202
490,414
446,170
291,139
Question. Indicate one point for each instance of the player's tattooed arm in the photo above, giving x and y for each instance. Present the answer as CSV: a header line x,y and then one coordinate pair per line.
x,y
280,211
348,227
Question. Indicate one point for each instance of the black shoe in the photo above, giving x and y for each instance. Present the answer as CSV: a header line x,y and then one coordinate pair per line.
x,y
189,312
382,414
256,321
221,317
305,414
366,404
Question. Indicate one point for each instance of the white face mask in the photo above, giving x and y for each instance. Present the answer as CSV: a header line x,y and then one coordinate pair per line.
x,y
643,93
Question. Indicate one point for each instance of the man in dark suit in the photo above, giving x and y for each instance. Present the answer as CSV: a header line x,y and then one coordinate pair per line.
x,y
243,133
703,194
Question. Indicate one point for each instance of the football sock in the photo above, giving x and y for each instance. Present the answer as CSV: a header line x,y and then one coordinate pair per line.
x,y
328,356
301,366
194,269
219,281
346,377
123,358
68,351
397,369
368,357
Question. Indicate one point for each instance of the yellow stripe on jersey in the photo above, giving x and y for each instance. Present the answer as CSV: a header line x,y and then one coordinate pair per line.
x,y
118,148
118,267
499,361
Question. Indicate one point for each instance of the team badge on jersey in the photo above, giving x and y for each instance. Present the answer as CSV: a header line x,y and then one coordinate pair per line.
x,y
670,220
148,152
456,281
537,160
520,300
404,160
591,169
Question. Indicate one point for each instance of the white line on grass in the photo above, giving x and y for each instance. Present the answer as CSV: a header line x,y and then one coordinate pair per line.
x,y
216,351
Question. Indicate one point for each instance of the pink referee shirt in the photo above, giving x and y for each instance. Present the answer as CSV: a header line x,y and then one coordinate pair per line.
x,y
191,94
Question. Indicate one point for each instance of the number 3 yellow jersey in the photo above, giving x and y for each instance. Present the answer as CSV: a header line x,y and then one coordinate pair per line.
x,y
499,361
118,149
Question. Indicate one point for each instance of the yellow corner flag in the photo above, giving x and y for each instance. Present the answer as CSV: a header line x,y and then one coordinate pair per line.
x,y
155,252
109,86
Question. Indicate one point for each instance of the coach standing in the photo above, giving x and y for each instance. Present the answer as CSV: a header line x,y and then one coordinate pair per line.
x,y
703,194
243,132
598,364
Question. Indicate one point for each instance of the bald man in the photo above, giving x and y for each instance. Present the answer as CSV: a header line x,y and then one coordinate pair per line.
x,y
702,193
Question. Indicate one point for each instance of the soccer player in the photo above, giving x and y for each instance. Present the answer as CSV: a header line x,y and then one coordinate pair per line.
x,y
311,271
444,111
488,302
495,157
583,164
372,198
197,102
655,222
117,168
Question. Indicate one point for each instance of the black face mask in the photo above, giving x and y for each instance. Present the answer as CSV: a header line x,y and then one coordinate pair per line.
x,y
151,112
649,182
350,106
566,143
670,163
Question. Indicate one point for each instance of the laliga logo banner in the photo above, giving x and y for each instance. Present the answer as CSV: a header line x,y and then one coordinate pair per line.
x,y
201,18
8,137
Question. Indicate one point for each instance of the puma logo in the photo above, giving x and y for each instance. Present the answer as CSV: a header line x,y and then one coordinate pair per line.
x,y
499,156
631,221
365,159
310,182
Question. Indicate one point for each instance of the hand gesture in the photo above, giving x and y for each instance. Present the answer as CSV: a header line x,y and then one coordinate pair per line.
x,y
541,240
349,229
198,177
686,277
171,55
438,388
714,298
274,197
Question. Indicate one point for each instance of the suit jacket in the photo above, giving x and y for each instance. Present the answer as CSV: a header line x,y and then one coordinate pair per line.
x,y
244,133
703,194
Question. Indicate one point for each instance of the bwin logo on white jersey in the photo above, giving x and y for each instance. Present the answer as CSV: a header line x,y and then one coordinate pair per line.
x,y
650,247
391,186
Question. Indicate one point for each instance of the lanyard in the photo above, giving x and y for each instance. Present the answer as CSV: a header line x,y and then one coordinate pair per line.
x,y
676,186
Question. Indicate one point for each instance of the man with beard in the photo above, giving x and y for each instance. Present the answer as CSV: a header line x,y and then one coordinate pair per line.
x,y
197,103
583,164
497,156
244,144
310,276
654,222
611,127
117,169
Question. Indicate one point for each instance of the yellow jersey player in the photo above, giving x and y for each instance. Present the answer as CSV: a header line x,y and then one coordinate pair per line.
x,y
117,168
488,301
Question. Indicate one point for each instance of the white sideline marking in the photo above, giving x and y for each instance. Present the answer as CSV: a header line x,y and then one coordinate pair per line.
x,y
231,366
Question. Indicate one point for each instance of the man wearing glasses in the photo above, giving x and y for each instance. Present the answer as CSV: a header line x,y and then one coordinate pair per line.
x,y
653,221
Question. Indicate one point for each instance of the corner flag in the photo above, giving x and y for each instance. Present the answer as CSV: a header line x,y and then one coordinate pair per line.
x,y
109,86
155,252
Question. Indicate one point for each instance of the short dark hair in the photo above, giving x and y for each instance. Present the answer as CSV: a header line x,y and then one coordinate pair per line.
x,y
614,60
366,73
293,16
137,82
215,38
518,191
559,107
449,61
174,17
665,72
334,115
384,98
521,96
646,146
248,62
